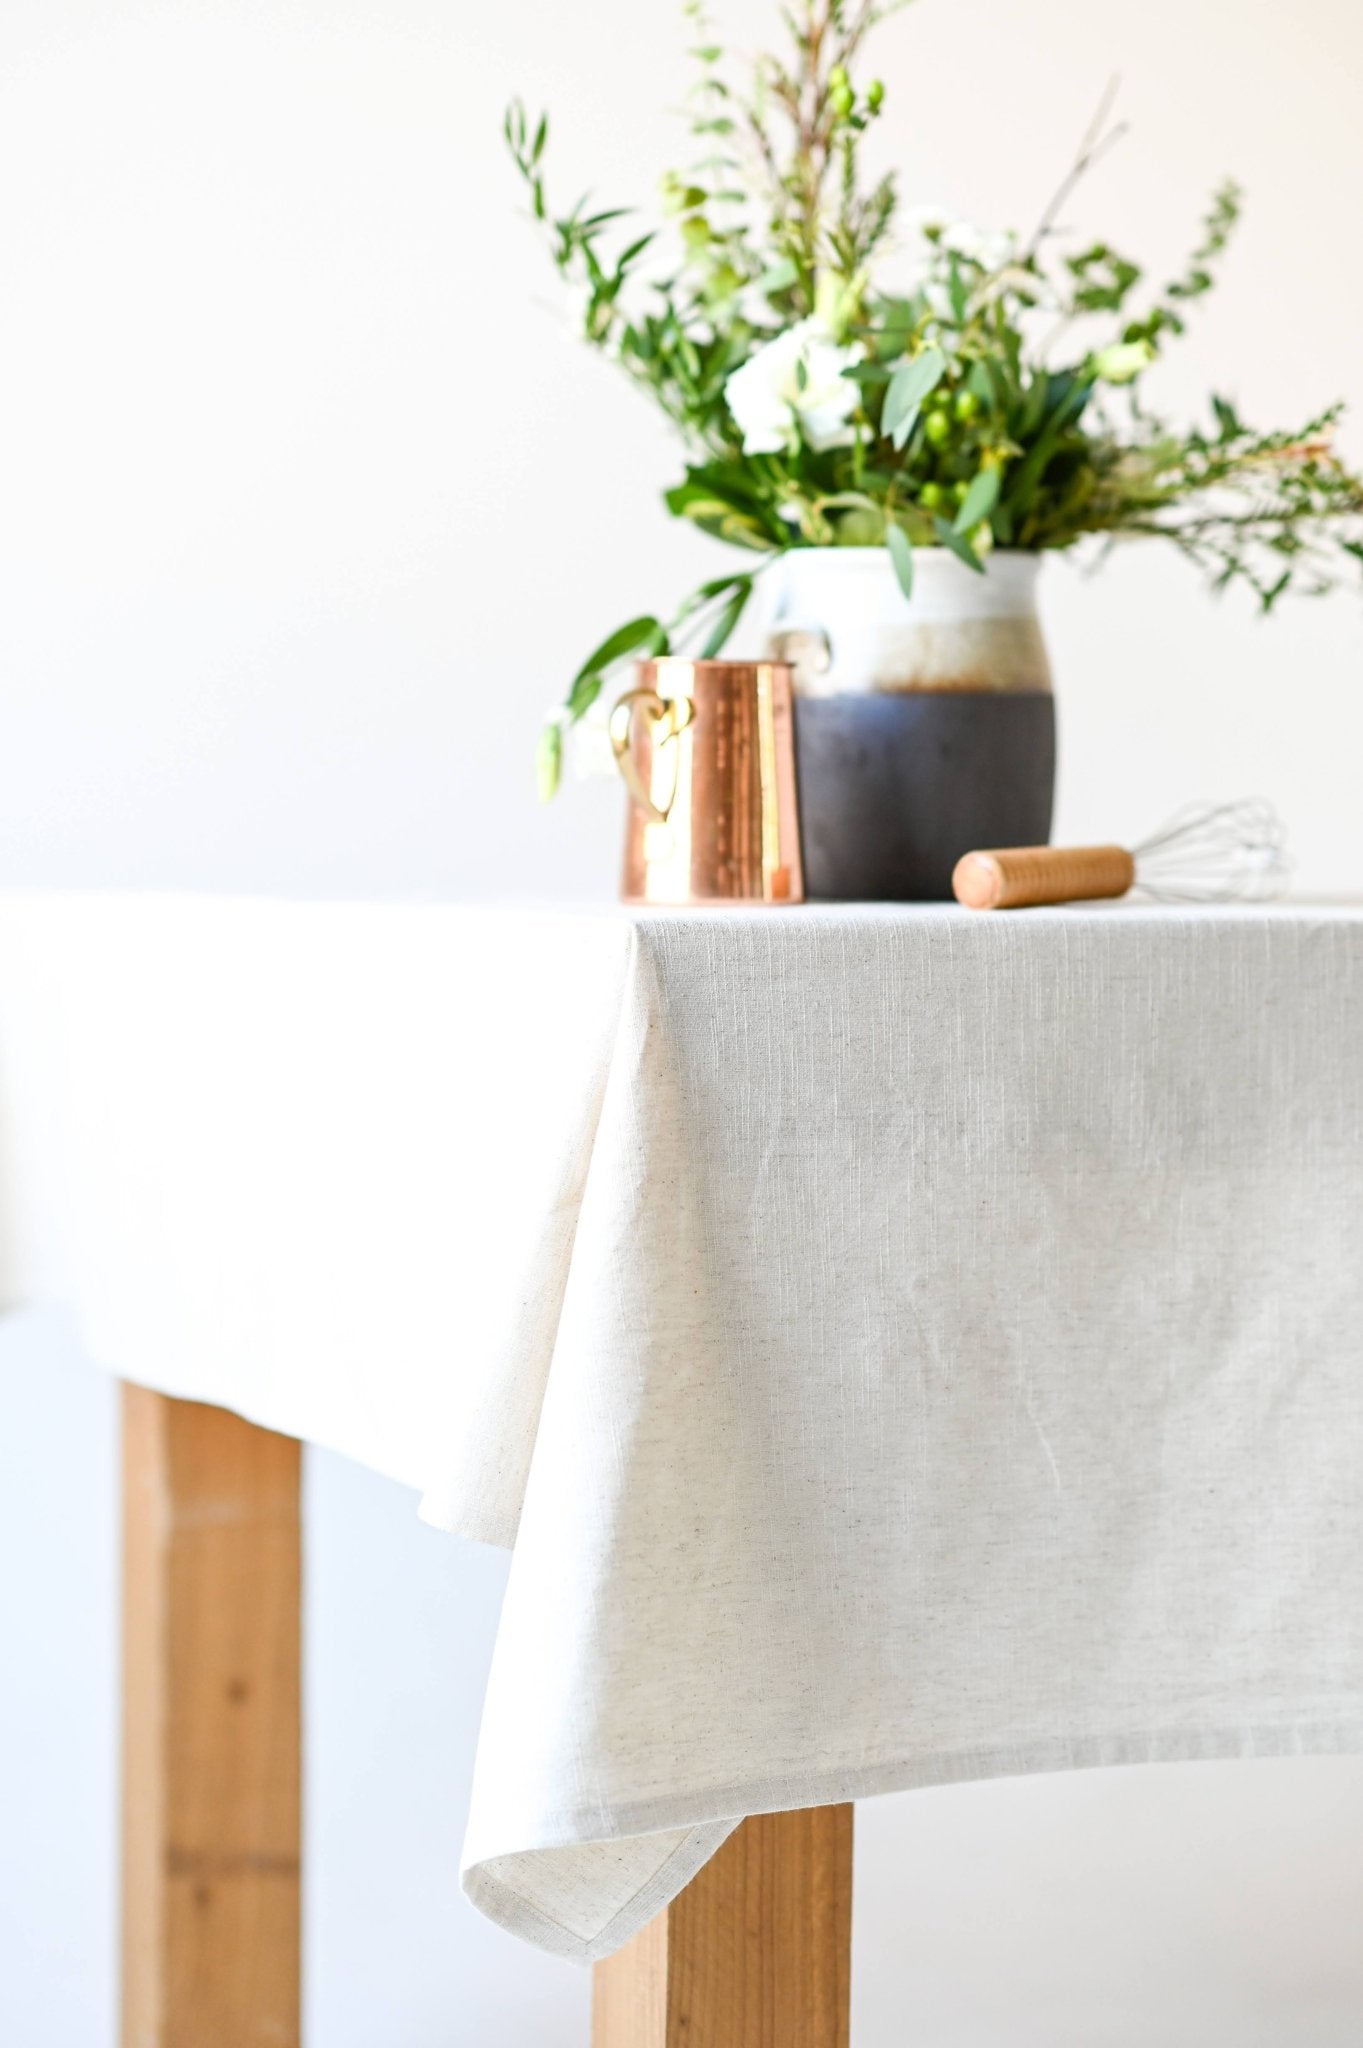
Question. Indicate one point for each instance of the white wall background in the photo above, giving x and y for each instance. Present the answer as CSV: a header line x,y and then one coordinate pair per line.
x,y
305,503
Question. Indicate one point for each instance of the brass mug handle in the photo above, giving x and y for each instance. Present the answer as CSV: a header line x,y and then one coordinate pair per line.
x,y
670,717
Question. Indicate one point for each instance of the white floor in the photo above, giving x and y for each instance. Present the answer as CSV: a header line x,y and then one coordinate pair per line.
x,y
1207,1906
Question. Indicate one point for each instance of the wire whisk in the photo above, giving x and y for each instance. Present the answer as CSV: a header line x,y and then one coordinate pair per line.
x,y
1207,853
1216,853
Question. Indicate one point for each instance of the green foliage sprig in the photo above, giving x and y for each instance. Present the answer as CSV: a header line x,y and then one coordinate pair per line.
x,y
990,397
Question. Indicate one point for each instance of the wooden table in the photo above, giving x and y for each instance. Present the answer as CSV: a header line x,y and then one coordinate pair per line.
x,y
755,1953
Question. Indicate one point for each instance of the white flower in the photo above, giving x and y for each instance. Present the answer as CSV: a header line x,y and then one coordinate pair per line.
x,y
931,238
587,748
931,234
991,248
794,384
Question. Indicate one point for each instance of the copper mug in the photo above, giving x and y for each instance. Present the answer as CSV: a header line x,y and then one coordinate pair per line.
x,y
707,753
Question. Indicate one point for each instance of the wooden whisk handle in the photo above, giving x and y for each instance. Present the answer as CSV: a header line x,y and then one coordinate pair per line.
x,y
1008,877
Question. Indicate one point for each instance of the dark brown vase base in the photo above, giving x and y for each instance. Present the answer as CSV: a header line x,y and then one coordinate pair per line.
x,y
895,787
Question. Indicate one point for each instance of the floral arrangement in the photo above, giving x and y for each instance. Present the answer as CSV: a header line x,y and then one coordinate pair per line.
x,y
843,374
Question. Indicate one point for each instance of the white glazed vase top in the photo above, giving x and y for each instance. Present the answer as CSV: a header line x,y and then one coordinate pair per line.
x,y
841,620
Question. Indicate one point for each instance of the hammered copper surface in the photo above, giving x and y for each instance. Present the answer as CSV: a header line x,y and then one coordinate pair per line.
x,y
707,751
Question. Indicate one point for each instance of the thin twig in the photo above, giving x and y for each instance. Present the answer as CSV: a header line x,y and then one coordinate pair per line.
x,y
1092,149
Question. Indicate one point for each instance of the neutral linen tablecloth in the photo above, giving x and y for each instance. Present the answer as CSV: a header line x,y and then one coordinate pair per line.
x,y
899,1345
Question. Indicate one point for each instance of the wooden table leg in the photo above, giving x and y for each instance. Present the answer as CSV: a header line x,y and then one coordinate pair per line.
x,y
755,1953
211,1729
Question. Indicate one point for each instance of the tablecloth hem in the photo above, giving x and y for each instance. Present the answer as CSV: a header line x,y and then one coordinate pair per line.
x,y
437,1512
517,1912
509,1909
264,1410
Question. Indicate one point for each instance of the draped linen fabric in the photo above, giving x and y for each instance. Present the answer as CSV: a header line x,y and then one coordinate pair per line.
x,y
898,1345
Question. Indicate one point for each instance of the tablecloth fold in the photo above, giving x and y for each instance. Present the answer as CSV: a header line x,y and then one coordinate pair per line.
x,y
958,1373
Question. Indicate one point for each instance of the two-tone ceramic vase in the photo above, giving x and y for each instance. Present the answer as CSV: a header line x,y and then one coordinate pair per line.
x,y
924,726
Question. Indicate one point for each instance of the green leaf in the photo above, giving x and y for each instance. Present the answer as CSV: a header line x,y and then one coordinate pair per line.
x,y
1068,397
979,501
956,289
583,694
901,555
959,545
549,761
728,619
779,278
909,386
1227,419
986,380
706,593
893,323
1033,408
628,256
625,640
718,497
732,527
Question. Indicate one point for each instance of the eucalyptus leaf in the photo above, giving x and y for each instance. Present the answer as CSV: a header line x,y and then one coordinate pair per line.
x,y
909,386
979,501
894,320
779,278
959,545
901,554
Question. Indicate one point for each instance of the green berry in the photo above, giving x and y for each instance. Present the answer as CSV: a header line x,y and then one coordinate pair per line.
x,y
875,95
860,529
842,100
838,77
932,497
958,491
967,405
937,427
